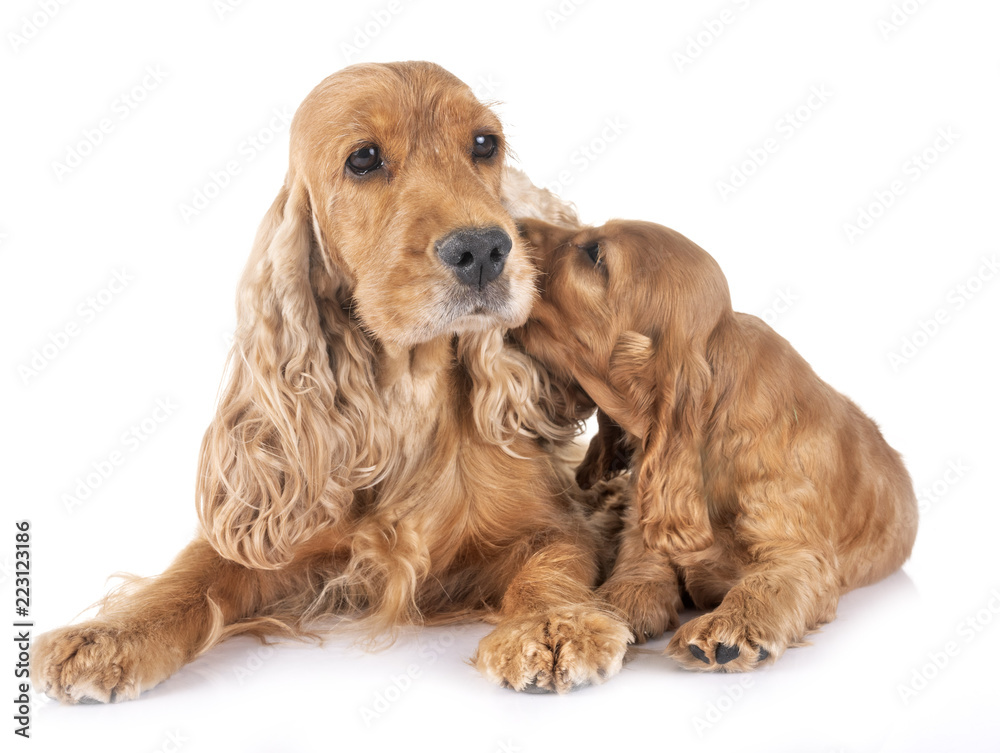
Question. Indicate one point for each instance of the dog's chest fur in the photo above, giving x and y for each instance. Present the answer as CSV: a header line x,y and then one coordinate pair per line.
x,y
448,480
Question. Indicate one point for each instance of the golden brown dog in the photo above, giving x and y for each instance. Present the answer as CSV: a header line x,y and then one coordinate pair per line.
x,y
767,492
379,450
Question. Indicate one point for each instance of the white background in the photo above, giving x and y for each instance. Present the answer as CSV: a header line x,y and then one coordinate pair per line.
x,y
562,73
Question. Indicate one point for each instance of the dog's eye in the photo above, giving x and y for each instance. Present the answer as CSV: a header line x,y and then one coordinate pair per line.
x,y
484,146
593,252
364,160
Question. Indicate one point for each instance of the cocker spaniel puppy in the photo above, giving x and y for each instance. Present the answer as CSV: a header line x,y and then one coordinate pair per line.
x,y
758,488
379,450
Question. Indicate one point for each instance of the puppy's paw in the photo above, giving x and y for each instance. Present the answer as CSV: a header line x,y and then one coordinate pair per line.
x,y
96,662
649,608
721,641
554,651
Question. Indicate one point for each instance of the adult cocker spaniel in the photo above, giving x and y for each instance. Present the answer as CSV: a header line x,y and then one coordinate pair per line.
x,y
379,449
758,488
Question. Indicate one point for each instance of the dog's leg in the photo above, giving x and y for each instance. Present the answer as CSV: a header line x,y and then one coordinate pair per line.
x,y
788,592
143,636
552,633
643,585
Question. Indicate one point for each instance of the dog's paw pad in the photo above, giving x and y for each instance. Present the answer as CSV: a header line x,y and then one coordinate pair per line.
x,y
721,643
698,654
534,688
725,654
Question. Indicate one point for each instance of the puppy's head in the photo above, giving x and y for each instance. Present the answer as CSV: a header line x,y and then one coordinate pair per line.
x,y
398,168
619,304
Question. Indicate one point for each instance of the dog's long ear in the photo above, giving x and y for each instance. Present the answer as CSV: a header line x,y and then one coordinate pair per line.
x,y
522,198
294,432
513,395
670,383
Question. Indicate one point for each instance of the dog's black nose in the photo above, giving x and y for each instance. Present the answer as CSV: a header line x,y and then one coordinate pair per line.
x,y
477,255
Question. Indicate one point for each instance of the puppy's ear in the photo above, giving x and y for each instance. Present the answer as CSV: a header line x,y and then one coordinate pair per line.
x,y
672,389
631,372
294,429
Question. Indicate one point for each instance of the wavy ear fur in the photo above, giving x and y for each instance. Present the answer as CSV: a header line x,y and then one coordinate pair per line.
x,y
513,395
670,384
522,198
285,451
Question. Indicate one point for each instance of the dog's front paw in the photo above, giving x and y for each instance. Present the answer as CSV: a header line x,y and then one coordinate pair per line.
x,y
558,650
97,662
722,641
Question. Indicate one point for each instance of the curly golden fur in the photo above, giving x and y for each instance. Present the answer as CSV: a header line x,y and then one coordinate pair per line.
x,y
758,488
379,449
